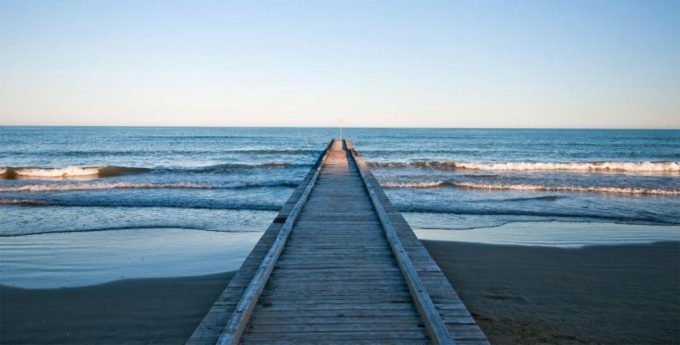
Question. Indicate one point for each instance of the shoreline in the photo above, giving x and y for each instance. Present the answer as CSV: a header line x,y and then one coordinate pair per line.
x,y
559,234
518,294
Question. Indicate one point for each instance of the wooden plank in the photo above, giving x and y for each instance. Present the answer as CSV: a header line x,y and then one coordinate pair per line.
x,y
336,257
337,277
376,336
342,313
306,307
335,327
336,320
239,317
278,281
446,300
372,296
436,327
402,341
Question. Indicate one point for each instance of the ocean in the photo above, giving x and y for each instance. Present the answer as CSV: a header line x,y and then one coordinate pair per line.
x,y
83,205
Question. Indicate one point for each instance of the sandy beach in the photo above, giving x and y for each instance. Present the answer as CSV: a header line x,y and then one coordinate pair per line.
x,y
519,295
594,295
135,311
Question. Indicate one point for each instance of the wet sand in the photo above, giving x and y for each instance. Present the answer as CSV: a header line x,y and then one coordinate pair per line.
x,y
520,295
135,311
594,295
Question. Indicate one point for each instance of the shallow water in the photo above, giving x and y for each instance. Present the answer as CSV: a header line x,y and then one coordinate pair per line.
x,y
66,259
79,180
557,234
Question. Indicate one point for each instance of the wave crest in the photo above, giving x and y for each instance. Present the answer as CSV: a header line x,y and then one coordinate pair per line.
x,y
76,172
179,204
133,185
69,172
425,184
596,167
529,187
591,189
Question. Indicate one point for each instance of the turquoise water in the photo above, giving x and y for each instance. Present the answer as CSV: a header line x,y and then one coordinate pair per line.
x,y
120,181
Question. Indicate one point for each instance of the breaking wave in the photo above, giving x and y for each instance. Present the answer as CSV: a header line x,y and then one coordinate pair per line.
x,y
595,167
434,184
529,187
75,172
589,189
133,185
70,172
180,204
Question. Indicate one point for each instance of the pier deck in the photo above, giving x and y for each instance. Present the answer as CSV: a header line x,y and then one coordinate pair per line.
x,y
338,265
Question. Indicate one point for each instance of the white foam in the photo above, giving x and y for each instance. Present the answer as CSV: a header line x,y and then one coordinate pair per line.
x,y
657,167
592,189
71,171
99,186
592,167
434,184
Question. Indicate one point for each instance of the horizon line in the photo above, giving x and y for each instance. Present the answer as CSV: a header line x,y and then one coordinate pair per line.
x,y
333,127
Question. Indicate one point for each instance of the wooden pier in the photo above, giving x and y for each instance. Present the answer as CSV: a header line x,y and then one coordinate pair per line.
x,y
338,265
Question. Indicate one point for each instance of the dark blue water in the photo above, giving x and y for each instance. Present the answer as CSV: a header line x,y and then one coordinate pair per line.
x,y
181,195
234,179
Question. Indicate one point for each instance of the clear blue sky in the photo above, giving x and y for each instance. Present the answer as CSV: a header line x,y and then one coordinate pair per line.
x,y
374,63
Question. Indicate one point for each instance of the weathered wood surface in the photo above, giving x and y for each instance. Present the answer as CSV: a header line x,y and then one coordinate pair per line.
x,y
437,330
337,278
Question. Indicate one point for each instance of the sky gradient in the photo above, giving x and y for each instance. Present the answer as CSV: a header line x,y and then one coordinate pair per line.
x,y
575,64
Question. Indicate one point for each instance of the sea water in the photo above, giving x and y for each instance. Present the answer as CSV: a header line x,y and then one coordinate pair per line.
x,y
92,195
